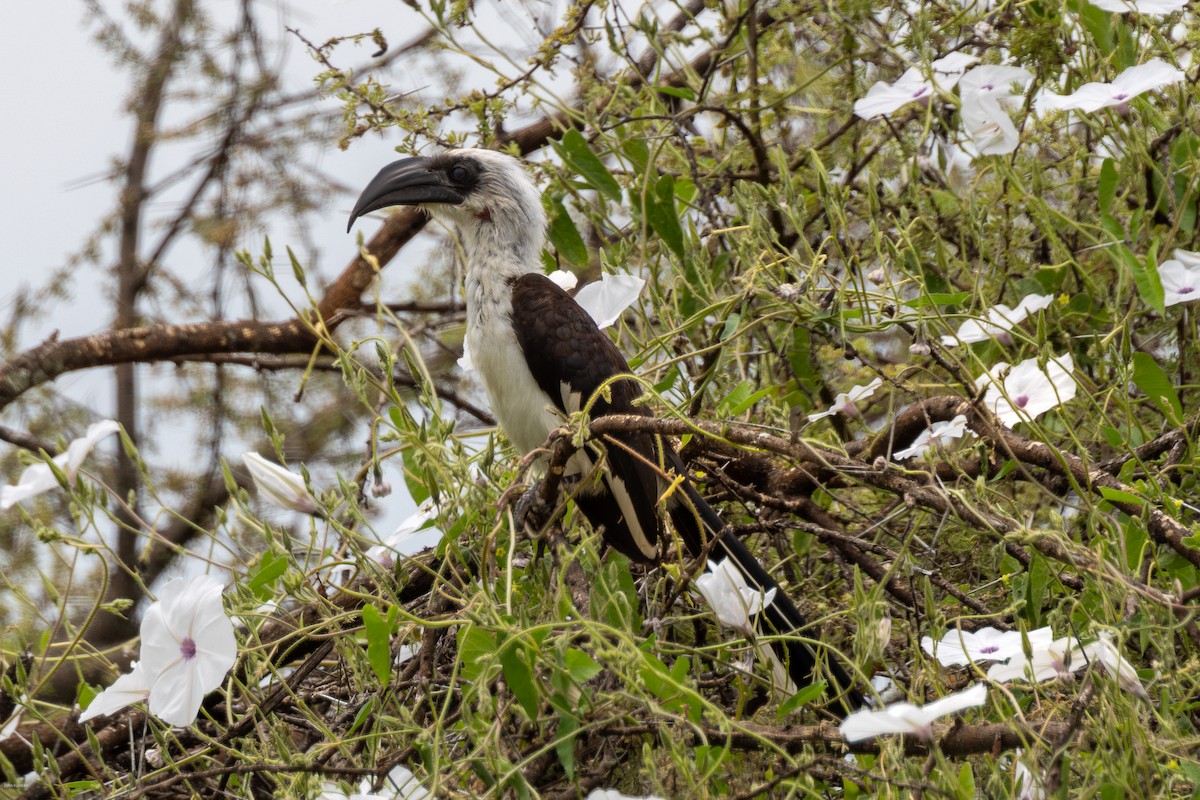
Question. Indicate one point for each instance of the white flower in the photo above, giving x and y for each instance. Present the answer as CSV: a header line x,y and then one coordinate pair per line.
x,y
957,648
999,320
1103,651
132,687
400,784
939,434
908,718
1047,663
1027,392
994,81
731,599
564,279
1154,74
886,98
404,541
284,488
1026,786
844,402
1150,7
604,300
39,478
1065,656
613,794
187,647
991,130
1180,278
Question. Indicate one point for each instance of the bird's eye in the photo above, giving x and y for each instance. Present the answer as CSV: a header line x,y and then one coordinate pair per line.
x,y
459,173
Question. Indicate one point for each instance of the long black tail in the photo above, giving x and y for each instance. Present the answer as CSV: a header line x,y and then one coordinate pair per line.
x,y
697,522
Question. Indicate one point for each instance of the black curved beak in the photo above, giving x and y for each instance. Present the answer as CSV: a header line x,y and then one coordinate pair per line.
x,y
407,182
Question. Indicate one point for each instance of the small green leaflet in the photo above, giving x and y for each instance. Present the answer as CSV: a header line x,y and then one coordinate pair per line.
x,y
268,572
379,640
565,236
1151,379
1108,185
519,677
588,165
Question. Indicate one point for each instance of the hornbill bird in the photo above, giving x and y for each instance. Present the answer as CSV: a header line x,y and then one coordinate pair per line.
x,y
541,357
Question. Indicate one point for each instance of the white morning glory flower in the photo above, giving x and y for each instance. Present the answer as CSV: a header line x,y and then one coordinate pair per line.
x,y
613,794
1150,7
607,298
957,648
132,687
1027,392
1064,656
1046,663
187,649
730,597
1154,74
1105,652
400,784
844,402
604,300
995,81
991,130
908,718
886,98
39,478
939,434
1180,278
282,487
999,319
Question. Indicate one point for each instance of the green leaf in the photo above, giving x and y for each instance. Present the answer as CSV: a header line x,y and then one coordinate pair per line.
x,y
263,578
1151,379
1119,496
475,649
519,677
564,235
939,299
801,698
966,782
564,744
1035,589
588,165
662,216
677,91
1108,185
379,640
580,666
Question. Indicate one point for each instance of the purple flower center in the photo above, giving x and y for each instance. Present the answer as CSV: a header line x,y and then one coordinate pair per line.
x,y
987,87
1120,96
1022,400
1186,289
988,648
922,90
187,648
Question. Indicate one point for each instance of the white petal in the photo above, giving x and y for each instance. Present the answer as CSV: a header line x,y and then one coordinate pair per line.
x,y
1106,653
132,687
991,129
38,478
908,718
1155,7
1189,258
1028,392
607,298
78,450
405,785
282,487
885,98
564,279
1154,74
1181,284
993,80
